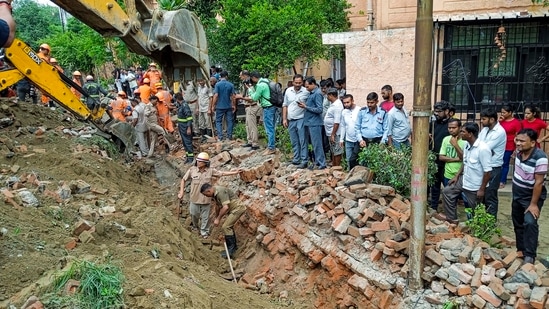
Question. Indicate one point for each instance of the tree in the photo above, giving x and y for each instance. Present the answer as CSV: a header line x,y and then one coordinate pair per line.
x,y
544,2
35,22
269,35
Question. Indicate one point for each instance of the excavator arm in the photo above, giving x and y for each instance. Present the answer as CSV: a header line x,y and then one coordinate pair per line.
x,y
174,39
24,63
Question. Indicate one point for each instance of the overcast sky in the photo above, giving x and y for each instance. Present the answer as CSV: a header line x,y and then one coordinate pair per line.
x,y
48,2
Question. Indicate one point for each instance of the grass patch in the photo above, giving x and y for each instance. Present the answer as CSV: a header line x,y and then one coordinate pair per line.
x,y
110,147
100,287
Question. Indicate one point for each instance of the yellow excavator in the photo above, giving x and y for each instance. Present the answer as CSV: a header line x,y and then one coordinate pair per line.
x,y
174,39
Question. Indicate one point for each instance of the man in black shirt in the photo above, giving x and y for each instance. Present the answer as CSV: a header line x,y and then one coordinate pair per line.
x,y
438,130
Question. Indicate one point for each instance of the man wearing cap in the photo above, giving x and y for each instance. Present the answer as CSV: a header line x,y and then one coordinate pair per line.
x,y
199,204
139,122
93,89
77,79
155,129
163,107
145,91
228,204
154,76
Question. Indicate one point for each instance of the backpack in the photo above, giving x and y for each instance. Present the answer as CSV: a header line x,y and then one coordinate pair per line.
x,y
277,97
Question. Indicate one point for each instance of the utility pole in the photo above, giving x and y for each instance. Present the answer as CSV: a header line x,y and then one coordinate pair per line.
x,y
423,65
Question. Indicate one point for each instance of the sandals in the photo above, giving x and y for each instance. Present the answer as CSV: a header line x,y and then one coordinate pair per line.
x,y
442,217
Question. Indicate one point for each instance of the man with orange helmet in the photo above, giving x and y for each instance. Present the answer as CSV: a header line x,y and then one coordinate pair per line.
x,y
44,53
154,75
199,204
119,107
77,79
155,129
145,91
164,98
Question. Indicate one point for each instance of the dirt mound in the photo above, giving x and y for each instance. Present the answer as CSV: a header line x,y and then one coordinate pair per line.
x,y
72,178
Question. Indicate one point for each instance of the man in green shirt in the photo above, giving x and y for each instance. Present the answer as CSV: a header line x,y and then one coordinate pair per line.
x,y
227,203
451,151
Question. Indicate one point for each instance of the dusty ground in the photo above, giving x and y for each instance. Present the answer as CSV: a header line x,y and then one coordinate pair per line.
x,y
33,247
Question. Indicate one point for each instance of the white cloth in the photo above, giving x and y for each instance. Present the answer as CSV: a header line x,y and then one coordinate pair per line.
x,y
139,114
204,95
476,161
347,125
496,139
291,97
333,116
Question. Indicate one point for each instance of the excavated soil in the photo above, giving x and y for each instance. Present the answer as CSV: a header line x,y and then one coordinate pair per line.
x,y
35,243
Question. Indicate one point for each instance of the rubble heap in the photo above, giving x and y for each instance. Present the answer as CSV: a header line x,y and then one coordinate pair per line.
x,y
351,237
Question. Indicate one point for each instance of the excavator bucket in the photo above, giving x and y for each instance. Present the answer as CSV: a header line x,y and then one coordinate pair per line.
x,y
174,39
123,135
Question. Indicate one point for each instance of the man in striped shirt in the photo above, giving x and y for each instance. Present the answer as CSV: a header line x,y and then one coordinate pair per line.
x,y
529,192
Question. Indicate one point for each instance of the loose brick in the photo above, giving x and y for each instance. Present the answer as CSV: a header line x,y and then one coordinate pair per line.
x,y
499,290
81,226
463,289
398,205
341,223
353,231
538,298
478,301
365,231
435,257
358,283
381,226
386,299
509,258
376,254
488,295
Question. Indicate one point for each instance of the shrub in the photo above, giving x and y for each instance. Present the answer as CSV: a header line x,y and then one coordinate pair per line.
x,y
483,225
393,167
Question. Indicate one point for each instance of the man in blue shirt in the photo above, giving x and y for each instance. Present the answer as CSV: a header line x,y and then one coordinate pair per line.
x,y
224,105
371,122
313,121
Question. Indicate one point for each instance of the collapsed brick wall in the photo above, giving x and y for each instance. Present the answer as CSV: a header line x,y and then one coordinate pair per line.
x,y
344,242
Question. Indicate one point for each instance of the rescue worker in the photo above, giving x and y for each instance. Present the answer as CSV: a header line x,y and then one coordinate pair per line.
x,y
199,204
163,107
77,79
94,90
154,128
54,62
229,204
145,91
191,97
185,127
139,122
154,76
44,53
119,107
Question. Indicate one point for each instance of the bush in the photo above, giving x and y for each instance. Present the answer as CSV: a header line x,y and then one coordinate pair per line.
x,y
483,225
392,167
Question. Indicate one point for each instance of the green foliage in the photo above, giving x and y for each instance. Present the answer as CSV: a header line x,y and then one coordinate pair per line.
x,y
239,131
393,167
100,287
205,9
544,2
483,225
269,35
282,136
35,22
171,5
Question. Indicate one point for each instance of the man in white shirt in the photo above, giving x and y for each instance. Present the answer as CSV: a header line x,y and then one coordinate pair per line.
x,y
332,119
493,134
139,122
205,96
348,136
473,176
292,118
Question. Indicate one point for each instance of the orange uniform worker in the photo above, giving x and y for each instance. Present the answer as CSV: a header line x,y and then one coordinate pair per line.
x,y
77,79
163,108
154,76
145,91
119,107
54,62
44,54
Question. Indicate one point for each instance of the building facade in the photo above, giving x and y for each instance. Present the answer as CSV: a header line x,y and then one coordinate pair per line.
x,y
486,53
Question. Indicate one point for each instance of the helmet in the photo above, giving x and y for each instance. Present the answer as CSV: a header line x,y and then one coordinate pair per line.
x,y
76,73
121,93
53,60
146,80
152,64
45,46
203,157
89,77
158,85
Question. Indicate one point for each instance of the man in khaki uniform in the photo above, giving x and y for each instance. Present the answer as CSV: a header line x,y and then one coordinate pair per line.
x,y
229,204
199,204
